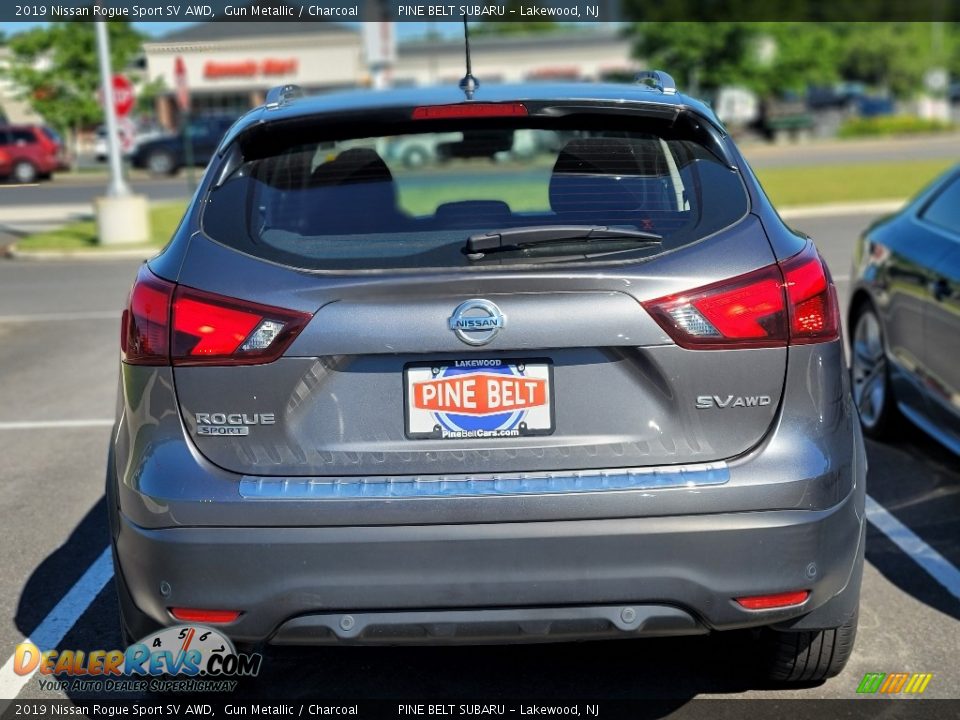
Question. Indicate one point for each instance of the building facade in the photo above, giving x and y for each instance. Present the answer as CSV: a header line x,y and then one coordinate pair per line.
x,y
13,107
230,65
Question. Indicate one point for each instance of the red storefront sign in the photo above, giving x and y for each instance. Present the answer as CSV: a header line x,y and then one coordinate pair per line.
x,y
271,67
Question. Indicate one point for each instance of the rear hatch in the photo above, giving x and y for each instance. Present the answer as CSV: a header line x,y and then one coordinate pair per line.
x,y
589,292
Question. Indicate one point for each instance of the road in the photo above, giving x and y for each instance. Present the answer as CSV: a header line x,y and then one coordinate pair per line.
x,y
842,152
58,354
72,190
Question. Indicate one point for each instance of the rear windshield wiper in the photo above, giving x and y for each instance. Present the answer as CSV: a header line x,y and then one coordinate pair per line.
x,y
520,238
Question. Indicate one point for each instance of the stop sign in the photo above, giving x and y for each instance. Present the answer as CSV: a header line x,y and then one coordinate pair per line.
x,y
122,95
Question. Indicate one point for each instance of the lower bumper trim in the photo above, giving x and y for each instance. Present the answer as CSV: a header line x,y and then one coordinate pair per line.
x,y
514,625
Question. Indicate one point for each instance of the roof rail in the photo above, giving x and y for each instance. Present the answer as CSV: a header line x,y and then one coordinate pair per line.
x,y
658,80
282,94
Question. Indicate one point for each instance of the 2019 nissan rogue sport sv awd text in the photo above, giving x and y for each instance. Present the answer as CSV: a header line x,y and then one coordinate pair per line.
x,y
592,389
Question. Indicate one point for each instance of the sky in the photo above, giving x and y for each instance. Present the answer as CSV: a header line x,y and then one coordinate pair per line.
x,y
405,30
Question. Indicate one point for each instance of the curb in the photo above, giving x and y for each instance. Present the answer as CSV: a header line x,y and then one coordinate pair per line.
x,y
869,207
11,253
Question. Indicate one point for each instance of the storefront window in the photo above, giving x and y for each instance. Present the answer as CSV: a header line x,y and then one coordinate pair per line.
x,y
221,103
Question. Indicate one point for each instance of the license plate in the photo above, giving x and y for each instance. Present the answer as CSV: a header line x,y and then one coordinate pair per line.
x,y
476,399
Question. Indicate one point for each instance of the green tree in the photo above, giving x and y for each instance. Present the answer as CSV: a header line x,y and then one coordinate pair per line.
x,y
891,56
952,49
770,57
766,57
56,67
148,94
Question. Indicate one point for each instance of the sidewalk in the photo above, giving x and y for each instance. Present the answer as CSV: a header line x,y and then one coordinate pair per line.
x,y
23,220
27,219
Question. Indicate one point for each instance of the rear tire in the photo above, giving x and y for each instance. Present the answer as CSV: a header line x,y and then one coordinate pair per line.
x,y
870,376
24,172
809,656
161,162
415,157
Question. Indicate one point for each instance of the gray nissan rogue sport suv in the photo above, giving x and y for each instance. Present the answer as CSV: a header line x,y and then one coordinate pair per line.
x,y
590,389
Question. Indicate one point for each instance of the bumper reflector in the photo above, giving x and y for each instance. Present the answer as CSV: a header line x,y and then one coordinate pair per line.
x,y
778,600
204,616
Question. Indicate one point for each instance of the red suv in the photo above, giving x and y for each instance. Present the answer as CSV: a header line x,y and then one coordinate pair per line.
x,y
30,152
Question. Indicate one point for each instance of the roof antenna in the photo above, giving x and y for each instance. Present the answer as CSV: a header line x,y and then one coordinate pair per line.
x,y
469,84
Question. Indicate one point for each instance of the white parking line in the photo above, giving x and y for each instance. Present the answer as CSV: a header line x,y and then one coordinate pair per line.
x,y
58,621
55,424
936,565
62,317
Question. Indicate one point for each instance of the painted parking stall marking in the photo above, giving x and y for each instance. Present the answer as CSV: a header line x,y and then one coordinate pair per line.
x,y
56,424
62,317
936,565
58,621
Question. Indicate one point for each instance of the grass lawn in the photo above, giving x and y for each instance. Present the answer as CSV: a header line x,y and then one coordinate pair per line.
x,y
522,196
787,187
816,184
82,234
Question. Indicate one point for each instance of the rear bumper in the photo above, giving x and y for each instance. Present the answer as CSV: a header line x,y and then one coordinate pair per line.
x,y
498,581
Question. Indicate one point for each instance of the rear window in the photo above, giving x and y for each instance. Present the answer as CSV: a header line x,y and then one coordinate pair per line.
x,y
944,209
52,135
24,137
411,201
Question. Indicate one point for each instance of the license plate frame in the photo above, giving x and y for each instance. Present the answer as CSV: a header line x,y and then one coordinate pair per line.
x,y
528,386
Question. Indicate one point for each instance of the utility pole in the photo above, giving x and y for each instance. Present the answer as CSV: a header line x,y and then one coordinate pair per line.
x,y
121,215
118,186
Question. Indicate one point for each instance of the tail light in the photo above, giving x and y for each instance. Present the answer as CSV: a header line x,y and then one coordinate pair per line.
x,y
145,334
217,330
168,324
792,302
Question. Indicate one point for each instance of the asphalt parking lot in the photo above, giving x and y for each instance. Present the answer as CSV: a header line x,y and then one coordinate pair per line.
x,y
58,354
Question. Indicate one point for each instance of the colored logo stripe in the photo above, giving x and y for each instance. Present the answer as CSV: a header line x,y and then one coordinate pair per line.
x,y
893,683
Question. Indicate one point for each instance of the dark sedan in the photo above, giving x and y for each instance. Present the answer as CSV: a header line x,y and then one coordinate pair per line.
x,y
905,317
165,155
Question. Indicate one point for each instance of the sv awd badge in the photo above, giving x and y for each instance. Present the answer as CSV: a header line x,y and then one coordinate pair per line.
x,y
705,402
231,423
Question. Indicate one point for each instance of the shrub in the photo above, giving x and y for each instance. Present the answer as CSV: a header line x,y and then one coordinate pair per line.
x,y
886,125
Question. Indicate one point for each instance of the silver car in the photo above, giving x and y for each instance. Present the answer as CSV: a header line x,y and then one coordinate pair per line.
x,y
597,391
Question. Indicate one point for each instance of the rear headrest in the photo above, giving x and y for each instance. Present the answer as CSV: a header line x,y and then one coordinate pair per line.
x,y
356,165
353,193
612,156
609,175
